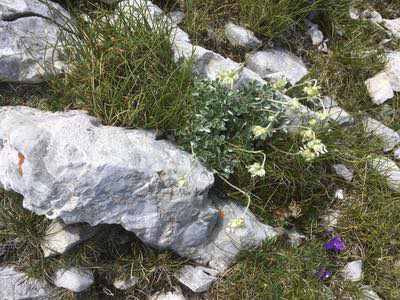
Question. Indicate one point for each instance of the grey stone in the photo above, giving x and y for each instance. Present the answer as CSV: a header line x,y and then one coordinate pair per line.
x,y
330,219
396,154
73,279
388,169
353,271
389,137
372,16
392,69
14,9
61,237
110,1
316,35
368,293
30,50
240,36
343,172
237,230
197,278
177,17
124,284
175,295
295,238
335,112
15,285
339,194
379,88
393,26
267,62
68,166
211,65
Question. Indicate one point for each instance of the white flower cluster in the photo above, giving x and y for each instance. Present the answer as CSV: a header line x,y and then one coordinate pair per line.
x,y
313,147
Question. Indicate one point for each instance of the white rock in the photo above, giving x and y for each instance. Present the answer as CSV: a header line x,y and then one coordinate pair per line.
x,y
330,218
353,271
389,137
73,279
176,295
389,169
110,1
72,171
393,26
368,293
339,194
177,17
60,237
240,36
229,239
124,284
15,285
30,50
267,62
379,88
16,9
396,154
316,35
392,69
343,172
371,15
197,278
295,238
354,13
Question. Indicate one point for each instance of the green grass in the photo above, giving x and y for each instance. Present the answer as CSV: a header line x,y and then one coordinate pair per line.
x,y
123,73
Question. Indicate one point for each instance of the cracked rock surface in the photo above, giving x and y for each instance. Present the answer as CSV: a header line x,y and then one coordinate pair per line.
x,y
68,166
30,35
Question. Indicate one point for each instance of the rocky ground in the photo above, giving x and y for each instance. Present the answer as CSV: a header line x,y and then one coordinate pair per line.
x,y
207,149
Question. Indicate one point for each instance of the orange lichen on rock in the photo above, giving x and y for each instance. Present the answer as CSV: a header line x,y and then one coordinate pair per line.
x,y
21,159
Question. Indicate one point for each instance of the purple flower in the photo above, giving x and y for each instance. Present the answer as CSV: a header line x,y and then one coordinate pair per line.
x,y
323,274
336,244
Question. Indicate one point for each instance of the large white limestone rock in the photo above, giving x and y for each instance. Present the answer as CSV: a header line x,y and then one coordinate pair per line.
x,y
68,166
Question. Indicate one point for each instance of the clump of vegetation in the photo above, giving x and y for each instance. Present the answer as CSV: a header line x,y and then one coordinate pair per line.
x,y
123,72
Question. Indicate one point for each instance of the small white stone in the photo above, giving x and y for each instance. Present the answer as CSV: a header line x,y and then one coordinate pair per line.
x,y
396,154
379,88
122,284
272,61
316,35
368,293
198,279
60,237
389,169
240,36
371,15
389,137
73,279
177,295
177,17
343,172
353,271
295,238
339,194
392,69
330,219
